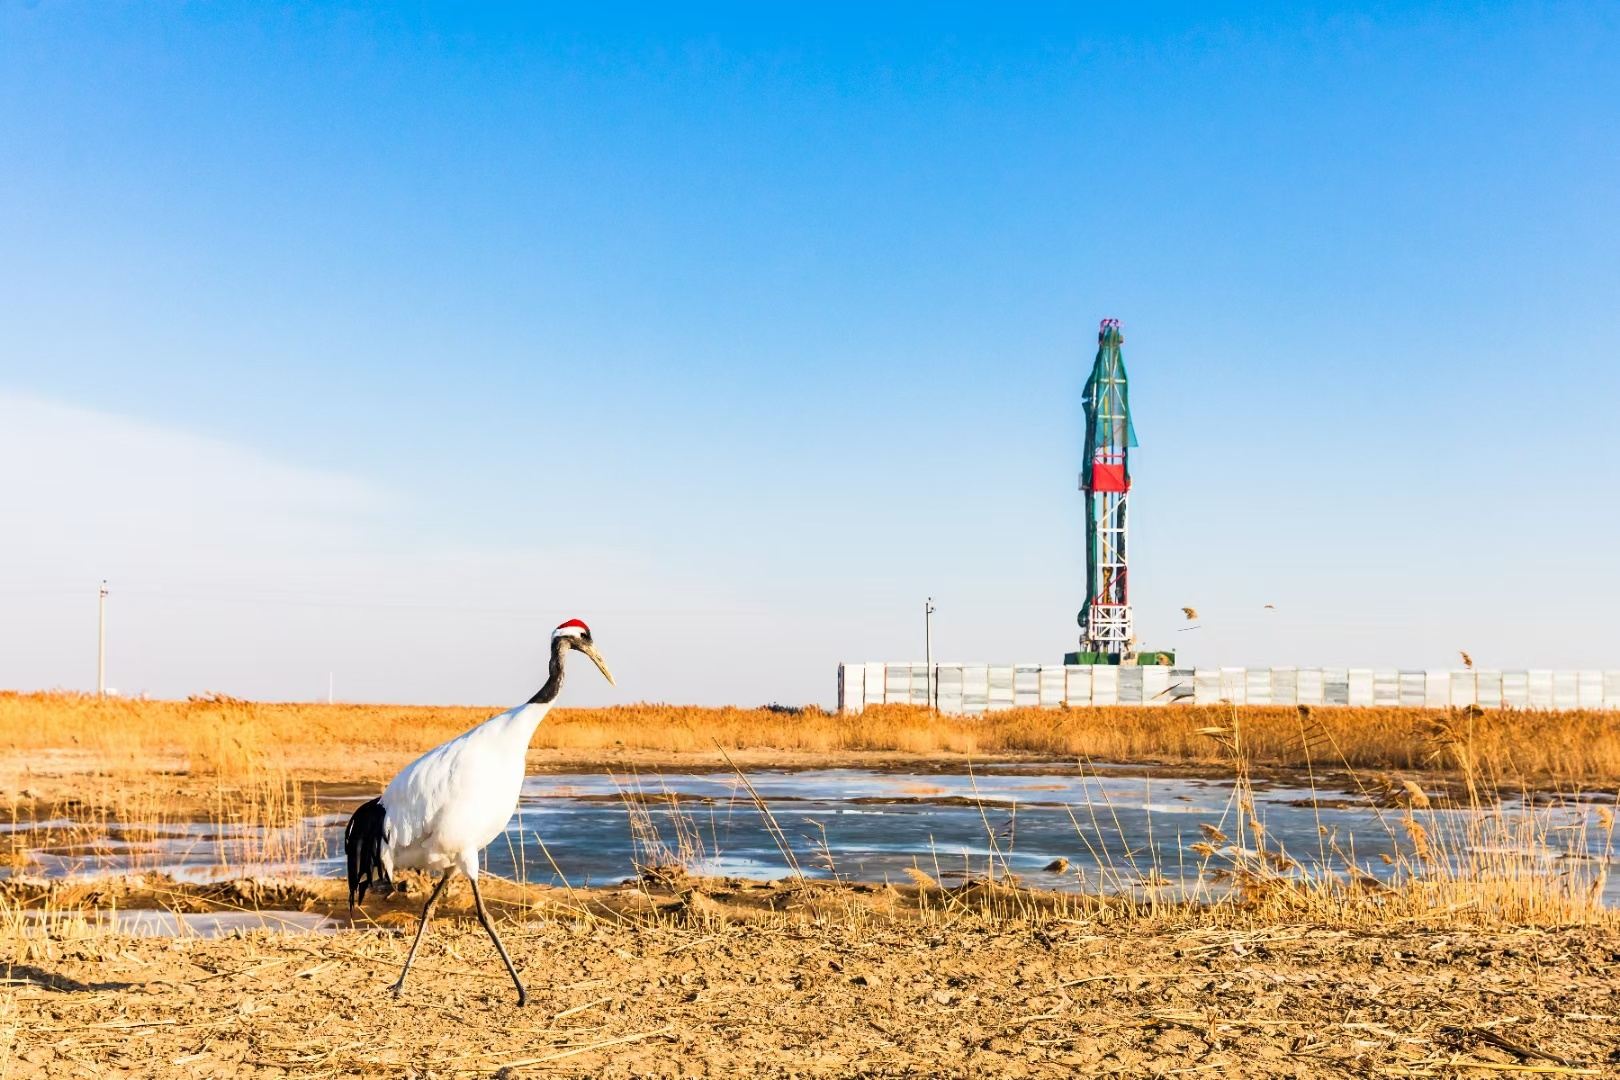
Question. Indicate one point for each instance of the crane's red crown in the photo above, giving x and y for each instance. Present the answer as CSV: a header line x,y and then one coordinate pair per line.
x,y
573,627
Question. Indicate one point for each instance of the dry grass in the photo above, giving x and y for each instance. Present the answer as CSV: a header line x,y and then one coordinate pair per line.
x,y
1464,878
955,995
1570,750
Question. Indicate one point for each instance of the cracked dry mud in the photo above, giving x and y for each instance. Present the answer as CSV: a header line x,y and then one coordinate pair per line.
x,y
851,998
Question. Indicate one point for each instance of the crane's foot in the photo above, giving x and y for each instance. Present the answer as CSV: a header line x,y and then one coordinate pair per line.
x,y
523,997
397,989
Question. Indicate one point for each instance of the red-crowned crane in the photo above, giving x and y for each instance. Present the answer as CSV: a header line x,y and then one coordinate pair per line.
x,y
447,805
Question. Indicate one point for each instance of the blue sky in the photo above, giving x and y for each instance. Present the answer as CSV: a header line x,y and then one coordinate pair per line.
x,y
374,341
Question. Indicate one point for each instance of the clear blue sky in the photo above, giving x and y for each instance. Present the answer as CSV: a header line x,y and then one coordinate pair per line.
x,y
375,341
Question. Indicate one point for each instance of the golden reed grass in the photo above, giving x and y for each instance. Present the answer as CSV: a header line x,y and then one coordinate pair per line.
x,y
1575,749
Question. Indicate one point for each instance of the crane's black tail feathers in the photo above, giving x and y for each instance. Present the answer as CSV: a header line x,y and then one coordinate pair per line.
x,y
362,843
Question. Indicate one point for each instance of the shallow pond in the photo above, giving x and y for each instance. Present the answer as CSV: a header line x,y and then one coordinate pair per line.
x,y
1117,830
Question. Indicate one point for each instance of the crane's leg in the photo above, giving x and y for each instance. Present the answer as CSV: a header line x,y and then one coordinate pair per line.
x,y
427,913
483,917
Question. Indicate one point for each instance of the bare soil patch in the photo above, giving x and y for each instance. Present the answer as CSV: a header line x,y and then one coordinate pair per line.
x,y
802,997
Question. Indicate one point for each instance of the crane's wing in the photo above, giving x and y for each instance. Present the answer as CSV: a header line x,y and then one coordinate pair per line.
x,y
450,790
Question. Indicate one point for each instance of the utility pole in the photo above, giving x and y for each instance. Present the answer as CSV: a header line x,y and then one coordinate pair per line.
x,y
928,649
101,642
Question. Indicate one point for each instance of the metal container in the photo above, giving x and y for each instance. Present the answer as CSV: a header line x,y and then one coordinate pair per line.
x,y
1001,686
1336,686
948,686
1284,686
1077,684
1410,688
1309,686
1026,686
1363,682
1206,686
874,684
1155,685
897,684
1541,688
1516,689
1130,685
1257,686
975,688
1464,686
1234,685
1590,695
1052,690
1180,686
1437,689
851,688
1105,684
1386,687
1566,689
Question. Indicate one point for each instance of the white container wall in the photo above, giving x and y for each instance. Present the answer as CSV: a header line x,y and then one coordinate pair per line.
x,y
1437,691
1130,685
1234,686
874,684
1464,688
1359,686
1591,690
1257,686
1541,689
1001,686
1155,685
1310,685
1052,679
1566,689
1078,680
948,685
1180,685
976,688
1104,685
1284,686
1026,686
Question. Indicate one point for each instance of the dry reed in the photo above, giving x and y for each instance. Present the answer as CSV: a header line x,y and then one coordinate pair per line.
x,y
1570,750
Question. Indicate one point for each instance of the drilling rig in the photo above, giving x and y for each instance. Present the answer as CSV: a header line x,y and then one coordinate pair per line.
x,y
1106,633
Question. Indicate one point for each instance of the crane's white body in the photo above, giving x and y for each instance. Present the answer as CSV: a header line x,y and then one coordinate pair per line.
x,y
447,805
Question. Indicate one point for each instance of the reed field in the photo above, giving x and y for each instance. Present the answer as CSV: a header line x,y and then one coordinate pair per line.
x,y
1475,954
1563,750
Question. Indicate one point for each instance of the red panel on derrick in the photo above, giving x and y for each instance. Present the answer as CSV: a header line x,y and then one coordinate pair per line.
x,y
1106,477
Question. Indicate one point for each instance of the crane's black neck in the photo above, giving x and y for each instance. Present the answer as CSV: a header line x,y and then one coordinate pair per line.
x,y
548,693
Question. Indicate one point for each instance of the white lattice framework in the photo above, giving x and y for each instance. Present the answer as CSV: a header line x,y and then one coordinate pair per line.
x,y
1108,620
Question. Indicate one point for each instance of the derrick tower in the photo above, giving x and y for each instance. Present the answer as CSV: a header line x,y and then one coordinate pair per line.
x,y
1106,635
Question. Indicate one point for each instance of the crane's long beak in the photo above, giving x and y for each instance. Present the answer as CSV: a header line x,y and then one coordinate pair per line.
x,y
596,658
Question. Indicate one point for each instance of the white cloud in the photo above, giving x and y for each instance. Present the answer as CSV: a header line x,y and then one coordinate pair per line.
x,y
233,572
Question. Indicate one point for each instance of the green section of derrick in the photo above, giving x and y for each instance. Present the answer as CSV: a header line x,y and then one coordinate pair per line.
x,y
1145,658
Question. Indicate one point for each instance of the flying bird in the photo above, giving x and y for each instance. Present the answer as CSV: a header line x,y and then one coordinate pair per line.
x,y
1271,607
1191,613
1468,661
447,805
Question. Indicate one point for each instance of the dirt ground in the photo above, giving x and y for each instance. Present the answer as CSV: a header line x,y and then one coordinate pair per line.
x,y
858,996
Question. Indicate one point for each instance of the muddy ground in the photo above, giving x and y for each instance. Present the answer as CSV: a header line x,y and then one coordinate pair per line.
x,y
700,993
